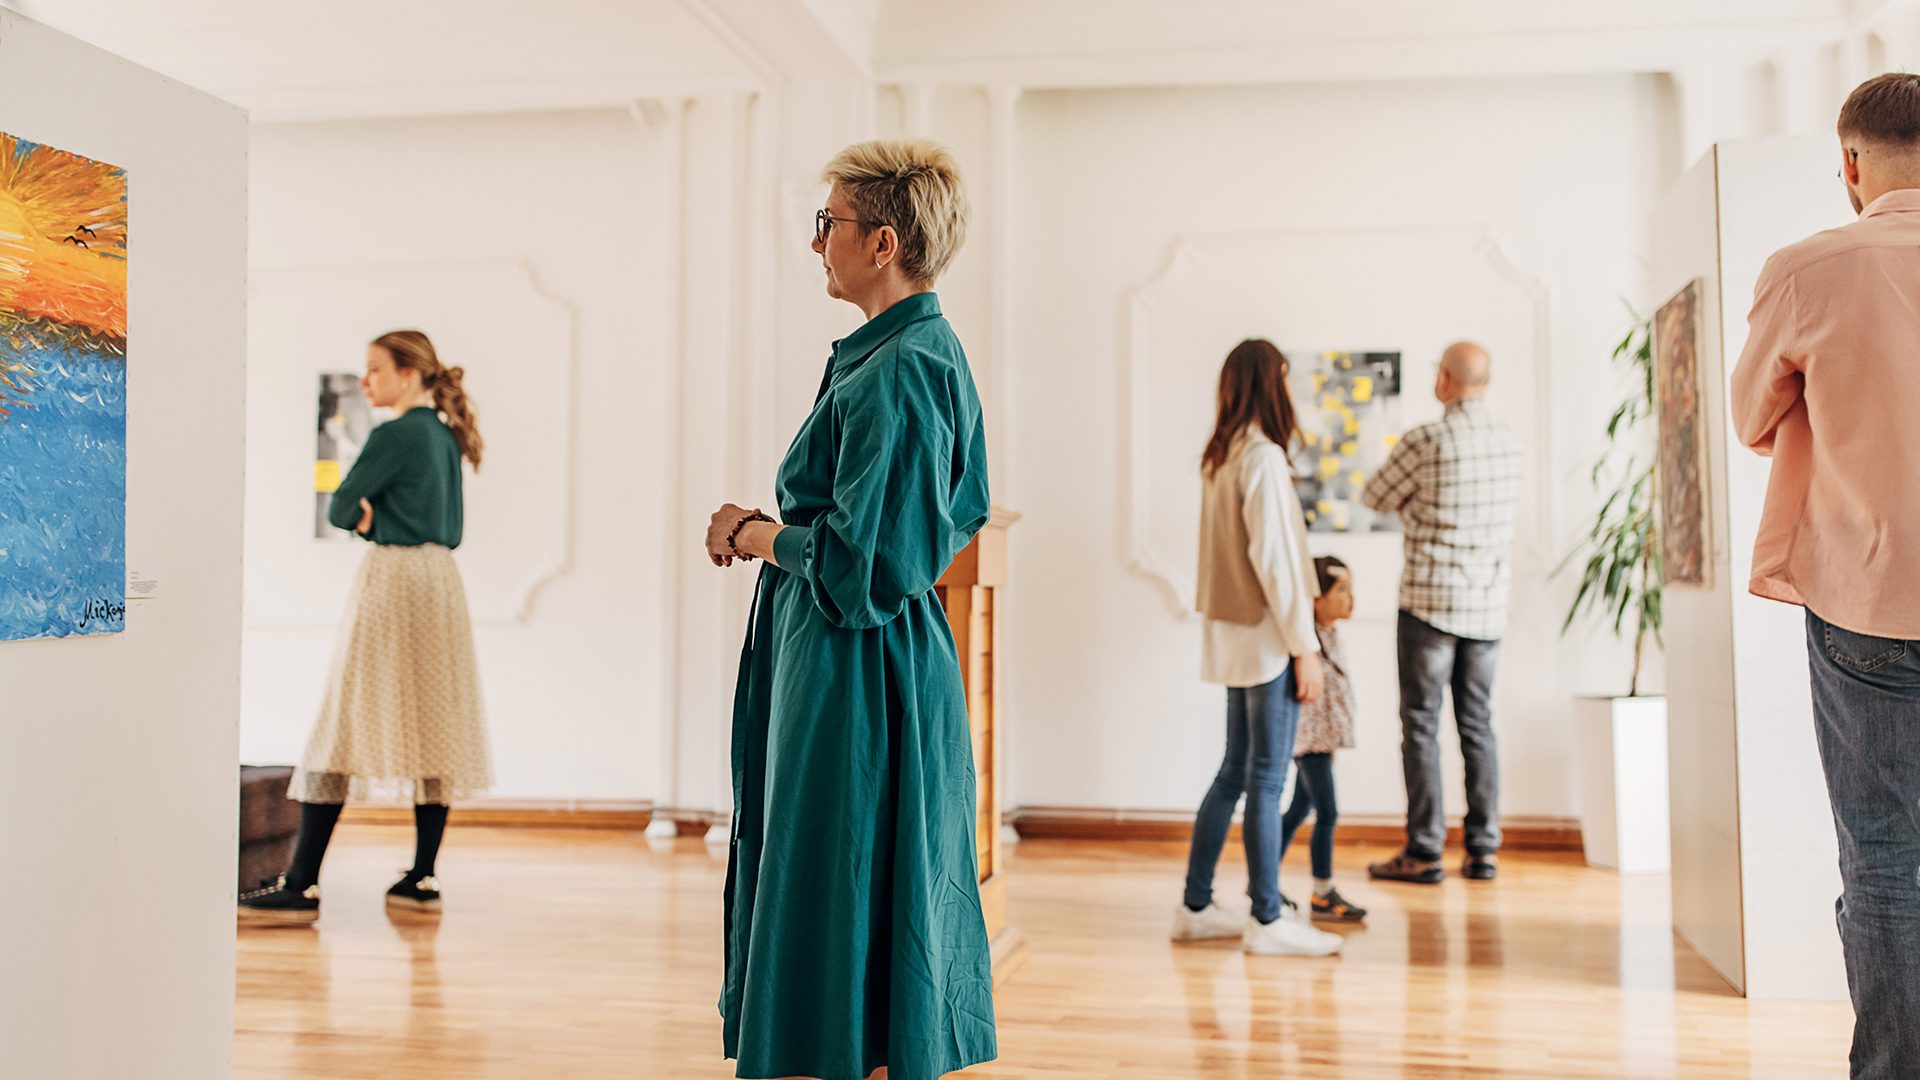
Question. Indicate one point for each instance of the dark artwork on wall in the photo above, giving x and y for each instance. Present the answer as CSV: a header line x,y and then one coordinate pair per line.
x,y
1679,389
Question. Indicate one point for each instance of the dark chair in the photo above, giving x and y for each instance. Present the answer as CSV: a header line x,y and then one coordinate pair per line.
x,y
269,822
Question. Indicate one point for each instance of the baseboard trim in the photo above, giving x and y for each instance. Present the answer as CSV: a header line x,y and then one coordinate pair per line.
x,y
518,814
1524,833
689,824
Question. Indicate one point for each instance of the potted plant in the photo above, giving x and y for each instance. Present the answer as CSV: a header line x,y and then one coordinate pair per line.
x,y
1621,742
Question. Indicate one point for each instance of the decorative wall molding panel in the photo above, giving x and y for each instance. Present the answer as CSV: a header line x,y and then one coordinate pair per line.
x,y
1411,291
518,345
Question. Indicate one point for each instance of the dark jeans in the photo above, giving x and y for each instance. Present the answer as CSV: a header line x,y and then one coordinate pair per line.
x,y
1260,727
1866,712
1432,662
1313,793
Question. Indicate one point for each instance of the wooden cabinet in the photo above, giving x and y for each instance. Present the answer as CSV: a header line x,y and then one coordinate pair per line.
x,y
971,591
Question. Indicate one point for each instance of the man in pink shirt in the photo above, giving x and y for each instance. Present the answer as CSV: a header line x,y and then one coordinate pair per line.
x,y
1830,388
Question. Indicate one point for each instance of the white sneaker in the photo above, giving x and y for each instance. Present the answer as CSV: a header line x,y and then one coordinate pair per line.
x,y
1286,937
1214,922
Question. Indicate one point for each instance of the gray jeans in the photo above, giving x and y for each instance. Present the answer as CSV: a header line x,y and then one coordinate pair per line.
x,y
1866,713
1431,663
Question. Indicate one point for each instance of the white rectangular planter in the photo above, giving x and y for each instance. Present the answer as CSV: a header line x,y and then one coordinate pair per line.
x,y
1622,748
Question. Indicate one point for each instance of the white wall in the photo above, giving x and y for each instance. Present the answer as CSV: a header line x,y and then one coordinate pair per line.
x,y
1755,865
1773,193
668,245
117,779
1703,776
438,213
676,240
1755,860
1105,676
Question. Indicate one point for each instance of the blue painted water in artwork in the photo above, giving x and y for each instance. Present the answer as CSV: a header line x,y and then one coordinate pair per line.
x,y
63,492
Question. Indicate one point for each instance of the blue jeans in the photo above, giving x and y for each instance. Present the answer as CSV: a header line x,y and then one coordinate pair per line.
x,y
1866,713
1260,727
1313,793
1433,662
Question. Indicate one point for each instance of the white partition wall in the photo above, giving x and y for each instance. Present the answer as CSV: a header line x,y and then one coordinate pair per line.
x,y
1754,863
117,753
1703,774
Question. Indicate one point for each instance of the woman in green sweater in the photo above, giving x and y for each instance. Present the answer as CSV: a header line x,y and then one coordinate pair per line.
x,y
401,716
855,941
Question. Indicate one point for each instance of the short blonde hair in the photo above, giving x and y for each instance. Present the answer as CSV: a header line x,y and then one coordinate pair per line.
x,y
913,185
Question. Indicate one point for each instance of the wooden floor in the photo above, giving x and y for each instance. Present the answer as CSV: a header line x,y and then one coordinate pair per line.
x,y
590,954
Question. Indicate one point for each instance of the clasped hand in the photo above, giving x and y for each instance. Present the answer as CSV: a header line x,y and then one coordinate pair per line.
x,y
724,524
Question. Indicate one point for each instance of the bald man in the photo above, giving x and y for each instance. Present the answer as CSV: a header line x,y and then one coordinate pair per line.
x,y
1453,482
1829,386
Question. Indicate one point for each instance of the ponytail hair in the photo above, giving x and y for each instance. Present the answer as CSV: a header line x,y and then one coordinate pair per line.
x,y
412,349
457,408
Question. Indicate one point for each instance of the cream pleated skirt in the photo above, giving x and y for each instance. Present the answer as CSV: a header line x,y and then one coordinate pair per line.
x,y
402,717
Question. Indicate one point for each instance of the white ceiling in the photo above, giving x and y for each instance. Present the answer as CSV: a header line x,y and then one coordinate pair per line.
x,y
1134,42
298,59
295,59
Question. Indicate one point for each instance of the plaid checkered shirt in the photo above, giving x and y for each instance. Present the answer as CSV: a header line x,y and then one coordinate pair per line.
x,y
1454,482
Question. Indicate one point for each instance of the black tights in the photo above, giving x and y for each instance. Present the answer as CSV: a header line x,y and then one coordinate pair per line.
x,y
316,831
429,825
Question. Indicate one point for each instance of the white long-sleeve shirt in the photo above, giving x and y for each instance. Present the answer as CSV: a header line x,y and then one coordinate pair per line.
x,y
1238,655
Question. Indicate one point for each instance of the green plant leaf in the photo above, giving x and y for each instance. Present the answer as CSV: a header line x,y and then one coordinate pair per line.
x,y
1619,553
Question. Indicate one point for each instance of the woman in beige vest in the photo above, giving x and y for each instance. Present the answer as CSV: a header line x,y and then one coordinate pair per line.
x,y
1257,587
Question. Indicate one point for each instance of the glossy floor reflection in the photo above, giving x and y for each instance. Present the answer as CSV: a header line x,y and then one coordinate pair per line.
x,y
588,954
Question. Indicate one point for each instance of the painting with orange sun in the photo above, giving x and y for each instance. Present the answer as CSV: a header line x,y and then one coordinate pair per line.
x,y
63,393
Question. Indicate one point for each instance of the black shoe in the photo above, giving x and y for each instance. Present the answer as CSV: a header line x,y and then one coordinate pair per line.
x,y
1480,867
1404,867
273,904
415,893
1334,908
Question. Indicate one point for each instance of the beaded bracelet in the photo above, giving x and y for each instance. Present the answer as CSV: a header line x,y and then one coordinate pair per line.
x,y
741,524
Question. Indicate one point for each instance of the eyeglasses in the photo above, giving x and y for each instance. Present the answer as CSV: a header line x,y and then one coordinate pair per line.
x,y
823,224
1852,155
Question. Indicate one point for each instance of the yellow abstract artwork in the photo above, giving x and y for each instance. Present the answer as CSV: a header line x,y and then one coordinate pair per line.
x,y
1349,419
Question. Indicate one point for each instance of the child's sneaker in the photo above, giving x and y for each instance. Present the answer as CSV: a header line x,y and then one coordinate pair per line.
x,y
273,904
1214,922
412,893
1334,908
1286,937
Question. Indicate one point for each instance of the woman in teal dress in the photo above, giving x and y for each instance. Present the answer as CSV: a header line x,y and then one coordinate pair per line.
x,y
855,942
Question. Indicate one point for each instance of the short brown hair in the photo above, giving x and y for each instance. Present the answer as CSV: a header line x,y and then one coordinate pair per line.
x,y
1884,110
